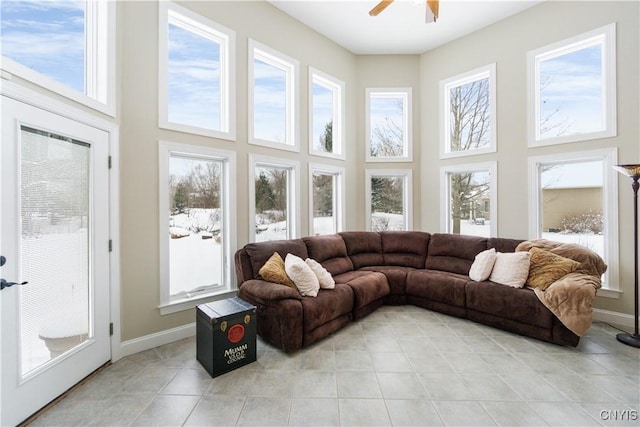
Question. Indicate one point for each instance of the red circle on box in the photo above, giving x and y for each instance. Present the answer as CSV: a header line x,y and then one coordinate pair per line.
x,y
236,333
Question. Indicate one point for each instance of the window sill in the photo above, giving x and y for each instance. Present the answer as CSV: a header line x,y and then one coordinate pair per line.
x,y
609,293
189,303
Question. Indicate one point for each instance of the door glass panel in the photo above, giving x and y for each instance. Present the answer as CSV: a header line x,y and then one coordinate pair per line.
x,y
54,246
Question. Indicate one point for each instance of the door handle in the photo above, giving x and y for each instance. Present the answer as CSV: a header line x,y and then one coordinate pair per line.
x,y
4,283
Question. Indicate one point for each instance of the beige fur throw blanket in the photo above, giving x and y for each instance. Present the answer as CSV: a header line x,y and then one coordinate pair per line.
x,y
571,297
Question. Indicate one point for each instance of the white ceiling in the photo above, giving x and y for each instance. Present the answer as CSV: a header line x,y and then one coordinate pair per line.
x,y
401,28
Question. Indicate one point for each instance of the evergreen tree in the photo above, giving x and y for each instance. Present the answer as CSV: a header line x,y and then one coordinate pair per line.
x,y
181,197
326,140
265,199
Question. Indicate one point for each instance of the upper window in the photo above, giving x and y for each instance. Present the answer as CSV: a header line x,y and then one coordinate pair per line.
x,y
273,98
196,210
326,115
326,199
64,46
197,77
468,103
468,199
572,89
388,196
574,200
273,198
388,125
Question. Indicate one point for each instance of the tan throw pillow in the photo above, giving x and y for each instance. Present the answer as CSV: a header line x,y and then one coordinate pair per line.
x,y
273,271
547,267
511,269
324,277
483,265
302,275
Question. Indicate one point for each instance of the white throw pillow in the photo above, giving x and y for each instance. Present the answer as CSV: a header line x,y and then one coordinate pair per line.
x,y
302,275
324,277
483,265
511,269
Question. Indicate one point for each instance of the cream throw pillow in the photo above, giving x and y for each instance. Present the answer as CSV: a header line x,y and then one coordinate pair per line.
x,y
324,277
511,269
302,275
483,265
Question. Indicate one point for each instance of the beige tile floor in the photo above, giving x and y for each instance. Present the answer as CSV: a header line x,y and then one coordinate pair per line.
x,y
399,366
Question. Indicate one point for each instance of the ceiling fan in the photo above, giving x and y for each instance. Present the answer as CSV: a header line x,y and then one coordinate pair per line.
x,y
432,9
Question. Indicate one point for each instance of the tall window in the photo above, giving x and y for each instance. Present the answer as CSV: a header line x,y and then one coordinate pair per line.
x,y
388,125
389,195
326,115
273,198
326,199
468,199
65,46
574,201
273,98
572,89
196,211
197,78
468,103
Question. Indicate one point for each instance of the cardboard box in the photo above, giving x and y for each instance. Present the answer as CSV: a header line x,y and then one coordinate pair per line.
x,y
225,335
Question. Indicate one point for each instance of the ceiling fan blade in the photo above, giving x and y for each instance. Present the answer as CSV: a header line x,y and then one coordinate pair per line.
x,y
380,7
432,10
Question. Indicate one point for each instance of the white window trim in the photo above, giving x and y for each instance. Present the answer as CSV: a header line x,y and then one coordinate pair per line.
x,y
166,149
338,132
481,73
292,69
339,193
607,37
100,67
406,95
407,196
186,19
293,198
445,190
609,158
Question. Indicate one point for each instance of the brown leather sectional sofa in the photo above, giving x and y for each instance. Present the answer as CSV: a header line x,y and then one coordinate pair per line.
x,y
395,267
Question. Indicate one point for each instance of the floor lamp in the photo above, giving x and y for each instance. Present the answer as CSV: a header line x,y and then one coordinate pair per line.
x,y
633,172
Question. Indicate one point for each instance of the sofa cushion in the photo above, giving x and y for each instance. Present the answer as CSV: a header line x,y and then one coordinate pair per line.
x,y
330,251
274,271
440,286
510,303
302,275
260,252
482,265
547,267
405,248
500,244
367,286
324,277
453,252
396,276
511,269
328,305
364,248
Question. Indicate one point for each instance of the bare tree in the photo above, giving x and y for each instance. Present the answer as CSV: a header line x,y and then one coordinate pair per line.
x,y
470,116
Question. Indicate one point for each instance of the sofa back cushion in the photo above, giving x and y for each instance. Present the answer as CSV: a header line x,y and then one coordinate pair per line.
x,y
453,252
260,252
405,248
503,245
330,251
364,248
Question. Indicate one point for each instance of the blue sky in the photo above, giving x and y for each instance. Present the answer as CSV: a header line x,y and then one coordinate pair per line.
x,y
47,36
322,112
381,109
573,175
269,102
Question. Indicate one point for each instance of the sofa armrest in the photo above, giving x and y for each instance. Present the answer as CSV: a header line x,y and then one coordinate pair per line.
x,y
263,291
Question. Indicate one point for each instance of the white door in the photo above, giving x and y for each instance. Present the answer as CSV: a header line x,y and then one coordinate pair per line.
x,y
54,235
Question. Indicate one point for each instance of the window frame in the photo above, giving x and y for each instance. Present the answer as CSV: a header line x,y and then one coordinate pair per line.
x,y
338,131
405,94
166,150
445,192
609,157
171,13
293,196
606,37
407,196
338,197
480,73
99,64
291,67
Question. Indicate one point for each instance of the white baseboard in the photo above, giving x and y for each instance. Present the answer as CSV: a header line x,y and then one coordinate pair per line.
x,y
613,317
147,342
